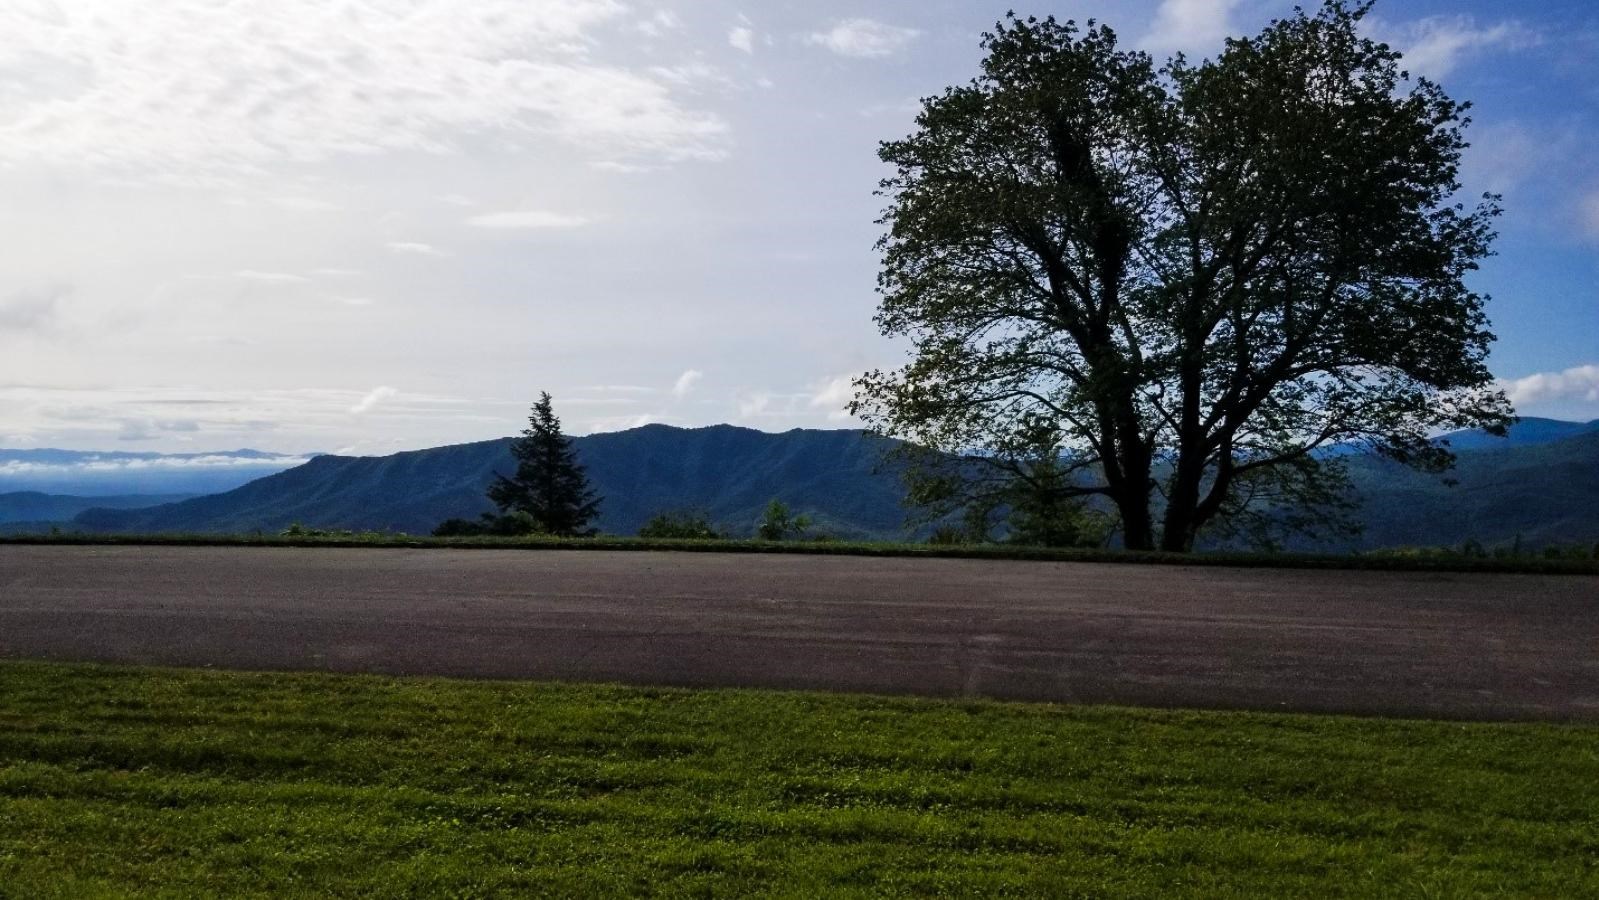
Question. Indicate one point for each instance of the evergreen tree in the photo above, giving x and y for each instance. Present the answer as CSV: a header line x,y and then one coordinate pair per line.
x,y
549,485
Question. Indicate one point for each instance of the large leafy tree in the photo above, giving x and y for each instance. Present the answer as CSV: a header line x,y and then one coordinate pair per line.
x,y
1185,283
549,485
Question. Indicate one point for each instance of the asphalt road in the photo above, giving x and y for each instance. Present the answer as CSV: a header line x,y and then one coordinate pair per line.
x,y
1438,645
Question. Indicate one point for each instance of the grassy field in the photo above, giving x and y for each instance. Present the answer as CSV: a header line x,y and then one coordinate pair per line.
x,y
1419,561
117,781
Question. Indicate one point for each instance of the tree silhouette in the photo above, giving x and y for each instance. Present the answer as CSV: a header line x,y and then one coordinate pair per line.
x,y
549,485
1201,277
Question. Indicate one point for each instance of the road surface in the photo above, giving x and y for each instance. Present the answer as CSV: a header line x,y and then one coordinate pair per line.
x,y
1437,645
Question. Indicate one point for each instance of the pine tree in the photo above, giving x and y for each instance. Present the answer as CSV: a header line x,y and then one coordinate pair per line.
x,y
549,485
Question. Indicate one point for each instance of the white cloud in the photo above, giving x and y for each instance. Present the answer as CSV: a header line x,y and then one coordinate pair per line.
x,y
864,38
415,248
742,38
150,429
304,204
522,219
755,404
1190,26
113,462
686,382
1580,384
270,277
31,310
371,401
353,301
200,89
833,395
621,168
660,23
1434,46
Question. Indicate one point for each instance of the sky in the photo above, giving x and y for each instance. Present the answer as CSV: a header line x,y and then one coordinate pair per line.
x,y
362,226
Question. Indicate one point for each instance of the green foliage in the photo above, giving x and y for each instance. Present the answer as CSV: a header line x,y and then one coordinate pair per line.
x,y
297,531
1579,552
549,485
121,782
512,524
680,525
1079,242
1034,493
778,524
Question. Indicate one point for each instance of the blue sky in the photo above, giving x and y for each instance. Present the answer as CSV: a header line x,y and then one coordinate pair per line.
x,y
383,224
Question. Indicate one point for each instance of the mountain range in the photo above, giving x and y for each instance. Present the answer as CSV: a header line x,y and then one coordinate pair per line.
x,y
729,473
1540,484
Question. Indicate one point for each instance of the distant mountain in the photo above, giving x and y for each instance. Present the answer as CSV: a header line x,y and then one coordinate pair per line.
x,y
34,507
111,474
730,473
1524,433
1542,491
1541,484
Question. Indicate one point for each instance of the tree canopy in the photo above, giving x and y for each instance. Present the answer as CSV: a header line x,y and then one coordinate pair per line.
x,y
1184,284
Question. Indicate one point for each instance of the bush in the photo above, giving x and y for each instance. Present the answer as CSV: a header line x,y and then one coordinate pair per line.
x,y
297,530
516,524
680,525
778,524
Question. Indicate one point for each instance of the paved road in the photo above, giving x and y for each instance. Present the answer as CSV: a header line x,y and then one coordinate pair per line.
x,y
1469,646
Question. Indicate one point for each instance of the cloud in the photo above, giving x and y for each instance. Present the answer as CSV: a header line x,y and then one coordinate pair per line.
x,y
1578,384
149,429
1434,46
371,400
217,90
35,310
864,38
755,404
833,395
270,277
116,462
686,382
527,219
304,204
659,24
742,38
1190,26
415,248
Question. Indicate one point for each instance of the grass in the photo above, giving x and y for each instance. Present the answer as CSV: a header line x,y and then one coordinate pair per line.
x,y
154,782
1418,561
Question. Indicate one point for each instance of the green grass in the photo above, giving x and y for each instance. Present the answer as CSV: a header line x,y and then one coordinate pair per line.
x,y
154,782
1417,561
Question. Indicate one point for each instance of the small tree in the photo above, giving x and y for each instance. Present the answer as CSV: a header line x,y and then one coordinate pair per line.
x,y
778,524
549,485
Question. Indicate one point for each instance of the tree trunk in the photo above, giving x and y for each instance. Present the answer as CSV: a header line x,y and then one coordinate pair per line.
x,y
1138,528
1181,523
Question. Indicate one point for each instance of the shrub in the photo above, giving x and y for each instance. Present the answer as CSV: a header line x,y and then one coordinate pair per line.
x,y
679,525
778,524
515,524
